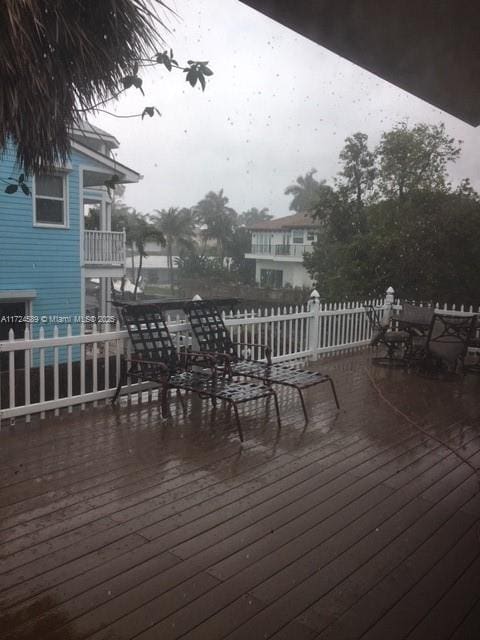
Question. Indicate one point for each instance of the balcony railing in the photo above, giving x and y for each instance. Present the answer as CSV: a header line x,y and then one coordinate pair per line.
x,y
104,248
280,250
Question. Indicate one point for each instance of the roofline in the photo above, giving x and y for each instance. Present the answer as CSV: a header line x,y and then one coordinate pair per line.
x,y
91,133
285,226
114,165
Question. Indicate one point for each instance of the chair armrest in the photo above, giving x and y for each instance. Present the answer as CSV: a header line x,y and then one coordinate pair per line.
x,y
152,363
265,348
200,358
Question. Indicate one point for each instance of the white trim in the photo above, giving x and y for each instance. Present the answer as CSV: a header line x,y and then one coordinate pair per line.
x,y
17,295
129,174
64,174
82,241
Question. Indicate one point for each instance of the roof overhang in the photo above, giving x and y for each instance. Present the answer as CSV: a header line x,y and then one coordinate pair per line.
x,y
429,48
110,166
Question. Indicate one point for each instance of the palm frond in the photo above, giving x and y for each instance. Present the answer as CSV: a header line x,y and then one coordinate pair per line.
x,y
61,57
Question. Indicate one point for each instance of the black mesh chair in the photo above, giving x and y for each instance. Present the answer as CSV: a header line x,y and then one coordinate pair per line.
x,y
396,342
156,359
446,344
213,337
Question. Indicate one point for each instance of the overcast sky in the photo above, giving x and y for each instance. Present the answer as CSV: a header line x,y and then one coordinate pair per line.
x,y
276,106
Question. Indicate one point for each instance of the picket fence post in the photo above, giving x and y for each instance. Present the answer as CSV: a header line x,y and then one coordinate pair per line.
x,y
388,305
313,323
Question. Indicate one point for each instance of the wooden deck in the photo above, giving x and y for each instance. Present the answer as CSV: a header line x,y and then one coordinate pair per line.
x,y
120,525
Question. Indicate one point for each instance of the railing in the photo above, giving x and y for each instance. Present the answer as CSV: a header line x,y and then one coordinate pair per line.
x,y
104,248
279,250
42,374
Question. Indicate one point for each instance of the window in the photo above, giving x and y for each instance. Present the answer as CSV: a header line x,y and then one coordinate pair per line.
x,y
297,237
50,200
271,278
311,236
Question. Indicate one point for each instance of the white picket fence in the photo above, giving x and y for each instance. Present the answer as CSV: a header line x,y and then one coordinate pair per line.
x,y
43,374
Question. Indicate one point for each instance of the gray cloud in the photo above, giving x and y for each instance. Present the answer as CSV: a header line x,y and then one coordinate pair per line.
x,y
277,106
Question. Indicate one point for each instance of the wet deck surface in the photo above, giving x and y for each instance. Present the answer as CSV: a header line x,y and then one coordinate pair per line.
x,y
120,525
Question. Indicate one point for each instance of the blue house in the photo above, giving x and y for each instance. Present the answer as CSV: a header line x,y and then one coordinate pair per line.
x,y
47,257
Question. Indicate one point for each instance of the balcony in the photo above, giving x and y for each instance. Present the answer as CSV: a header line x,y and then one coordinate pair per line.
x,y
280,252
104,249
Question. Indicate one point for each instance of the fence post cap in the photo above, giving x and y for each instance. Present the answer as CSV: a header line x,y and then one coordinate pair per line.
x,y
315,295
390,290
196,297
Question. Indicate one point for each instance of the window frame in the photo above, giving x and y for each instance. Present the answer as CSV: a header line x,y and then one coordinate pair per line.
x,y
298,231
63,174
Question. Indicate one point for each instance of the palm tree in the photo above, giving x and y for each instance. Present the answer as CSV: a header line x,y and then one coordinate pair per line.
x,y
139,230
219,220
305,192
177,227
254,215
83,54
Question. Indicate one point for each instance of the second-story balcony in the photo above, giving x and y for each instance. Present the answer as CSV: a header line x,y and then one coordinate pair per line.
x,y
104,250
294,252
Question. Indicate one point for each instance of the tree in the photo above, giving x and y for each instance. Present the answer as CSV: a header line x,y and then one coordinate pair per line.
x,y
418,233
83,55
218,218
253,215
356,178
139,230
358,171
177,227
414,158
239,245
305,192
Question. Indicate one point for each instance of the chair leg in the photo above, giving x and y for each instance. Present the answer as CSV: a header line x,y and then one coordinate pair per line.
x,y
122,379
277,410
237,418
182,403
164,400
303,403
334,391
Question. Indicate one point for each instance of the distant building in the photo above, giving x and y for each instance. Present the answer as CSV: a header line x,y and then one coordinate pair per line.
x,y
278,247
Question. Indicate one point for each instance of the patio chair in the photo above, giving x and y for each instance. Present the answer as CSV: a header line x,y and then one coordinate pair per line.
x,y
446,344
213,337
156,359
394,341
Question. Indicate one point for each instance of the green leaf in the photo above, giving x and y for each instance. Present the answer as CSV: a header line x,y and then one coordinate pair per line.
x,y
21,178
201,78
128,81
167,63
12,188
148,111
192,77
137,82
206,71
25,189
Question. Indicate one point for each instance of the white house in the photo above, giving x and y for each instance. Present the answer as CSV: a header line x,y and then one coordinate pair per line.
x,y
278,247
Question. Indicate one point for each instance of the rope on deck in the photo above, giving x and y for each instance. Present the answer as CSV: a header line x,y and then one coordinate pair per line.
x,y
414,424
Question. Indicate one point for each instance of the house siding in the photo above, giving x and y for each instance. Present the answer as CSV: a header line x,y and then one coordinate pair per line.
x,y
46,260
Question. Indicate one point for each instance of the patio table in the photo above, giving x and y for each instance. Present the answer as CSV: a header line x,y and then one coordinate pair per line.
x,y
414,320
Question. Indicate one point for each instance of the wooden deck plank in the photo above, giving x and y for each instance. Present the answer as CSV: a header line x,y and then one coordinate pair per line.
x,y
451,609
121,525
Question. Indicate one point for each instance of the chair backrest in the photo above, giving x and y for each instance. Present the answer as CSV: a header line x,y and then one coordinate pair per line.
x,y
208,327
150,337
449,336
414,313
